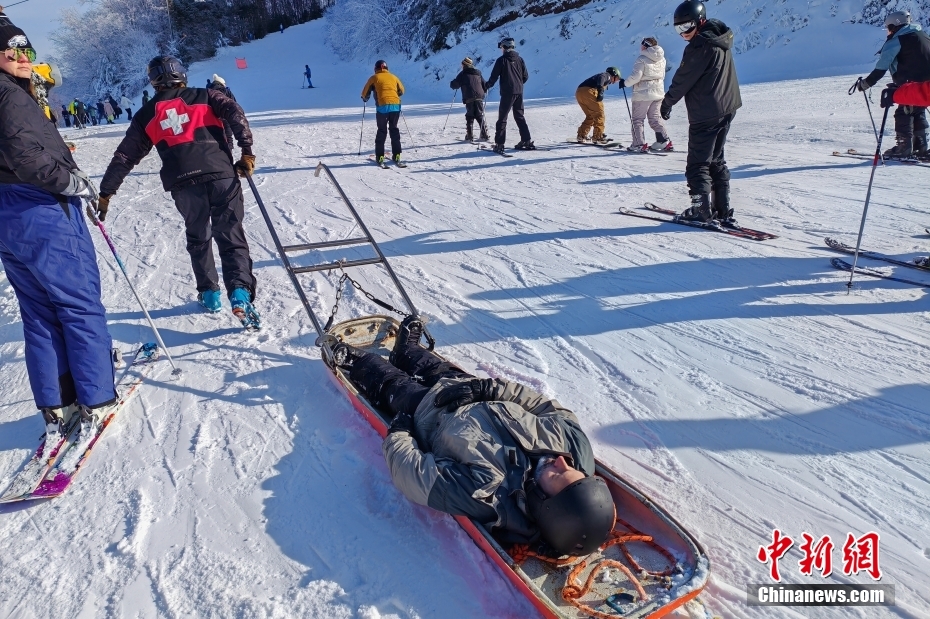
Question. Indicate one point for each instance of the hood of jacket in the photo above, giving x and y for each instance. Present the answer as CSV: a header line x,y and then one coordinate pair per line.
x,y
511,54
908,29
714,33
653,54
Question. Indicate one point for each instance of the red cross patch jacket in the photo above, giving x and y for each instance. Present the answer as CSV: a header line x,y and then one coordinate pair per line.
x,y
185,125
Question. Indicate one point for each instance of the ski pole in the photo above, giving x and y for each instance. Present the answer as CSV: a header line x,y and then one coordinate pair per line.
x,y
454,92
93,217
362,132
629,113
868,195
868,107
408,130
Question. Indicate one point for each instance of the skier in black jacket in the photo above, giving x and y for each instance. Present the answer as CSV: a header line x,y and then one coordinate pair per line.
x,y
906,53
511,70
185,125
47,251
218,83
474,89
707,80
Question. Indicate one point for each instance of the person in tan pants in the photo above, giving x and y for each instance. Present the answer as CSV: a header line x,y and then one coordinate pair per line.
x,y
590,96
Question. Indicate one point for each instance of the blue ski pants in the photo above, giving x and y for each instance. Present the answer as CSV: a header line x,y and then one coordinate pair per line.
x,y
49,259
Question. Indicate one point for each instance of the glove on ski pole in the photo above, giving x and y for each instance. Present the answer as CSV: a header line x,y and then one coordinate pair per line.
x,y
93,217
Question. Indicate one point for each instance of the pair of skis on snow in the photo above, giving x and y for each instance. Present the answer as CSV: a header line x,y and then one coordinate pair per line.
x,y
853,153
616,147
59,458
713,225
845,266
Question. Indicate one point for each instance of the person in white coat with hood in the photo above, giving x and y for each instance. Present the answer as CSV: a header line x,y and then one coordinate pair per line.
x,y
648,81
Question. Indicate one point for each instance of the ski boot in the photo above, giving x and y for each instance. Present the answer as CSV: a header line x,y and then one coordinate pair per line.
x,y
582,139
901,149
638,148
923,263
484,137
600,139
699,210
345,355
242,308
409,334
498,148
398,162
469,133
56,420
920,146
210,300
89,421
662,143
525,145
722,210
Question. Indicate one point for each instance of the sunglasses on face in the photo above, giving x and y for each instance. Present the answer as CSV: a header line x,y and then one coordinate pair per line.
x,y
685,28
19,52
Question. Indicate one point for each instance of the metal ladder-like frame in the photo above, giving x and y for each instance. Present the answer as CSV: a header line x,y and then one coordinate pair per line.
x,y
293,271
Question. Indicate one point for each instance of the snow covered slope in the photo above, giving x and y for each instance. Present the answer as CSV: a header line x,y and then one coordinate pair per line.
x,y
776,40
736,382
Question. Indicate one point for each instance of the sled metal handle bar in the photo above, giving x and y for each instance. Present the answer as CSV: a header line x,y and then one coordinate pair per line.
x,y
283,254
322,167
329,266
324,244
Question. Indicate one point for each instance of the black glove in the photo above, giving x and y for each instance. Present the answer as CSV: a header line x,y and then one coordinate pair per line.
x,y
887,99
621,83
365,99
460,394
402,422
600,95
103,205
665,110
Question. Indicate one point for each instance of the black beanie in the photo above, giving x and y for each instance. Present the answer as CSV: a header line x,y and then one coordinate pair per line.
x,y
12,36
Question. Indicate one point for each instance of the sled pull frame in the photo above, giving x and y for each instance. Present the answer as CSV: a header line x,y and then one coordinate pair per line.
x,y
367,239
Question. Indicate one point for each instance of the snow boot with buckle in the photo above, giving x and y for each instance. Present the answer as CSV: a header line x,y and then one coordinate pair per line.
x,y
901,149
469,132
498,148
699,210
345,355
721,202
210,300
242,308
920,146
409,334
525,145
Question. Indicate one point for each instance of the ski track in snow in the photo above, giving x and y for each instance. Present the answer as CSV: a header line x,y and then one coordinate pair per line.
x,y
734,381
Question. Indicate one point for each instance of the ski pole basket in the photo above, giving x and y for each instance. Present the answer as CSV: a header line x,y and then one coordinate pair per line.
x,y
367,239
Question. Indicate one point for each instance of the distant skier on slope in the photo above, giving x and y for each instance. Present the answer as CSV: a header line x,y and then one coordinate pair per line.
x,y
474,89
906,53
511,70
648,81
47,252
388,89
307,75
706,78
185,126
590,97
492,450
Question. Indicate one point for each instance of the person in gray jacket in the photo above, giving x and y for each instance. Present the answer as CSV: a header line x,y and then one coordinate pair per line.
x,y
474,89
493,450
706,79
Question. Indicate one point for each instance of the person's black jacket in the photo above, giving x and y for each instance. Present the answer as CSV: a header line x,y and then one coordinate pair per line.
x,y
511,70
600,81
472,83
186,126
31,149
221,87
706,77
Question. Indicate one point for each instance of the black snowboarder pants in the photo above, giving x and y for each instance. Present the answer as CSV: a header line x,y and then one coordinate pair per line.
x,y
474,110
385,120
213,211
515,103
706,169
394,388
910,120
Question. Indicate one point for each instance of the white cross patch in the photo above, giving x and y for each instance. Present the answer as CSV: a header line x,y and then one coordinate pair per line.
x,y
175,122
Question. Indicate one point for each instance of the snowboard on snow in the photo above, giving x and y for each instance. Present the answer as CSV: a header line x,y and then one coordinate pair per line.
x,y
664,566
52,468
713,225
612,144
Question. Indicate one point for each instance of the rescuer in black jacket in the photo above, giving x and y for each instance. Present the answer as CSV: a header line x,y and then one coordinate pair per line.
x,y
511,70
185,125
706,79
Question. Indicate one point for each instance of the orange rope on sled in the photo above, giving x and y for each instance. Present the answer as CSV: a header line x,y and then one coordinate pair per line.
x,y
572,592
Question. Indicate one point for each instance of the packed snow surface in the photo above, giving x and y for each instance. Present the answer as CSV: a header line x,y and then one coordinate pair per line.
x,y
736,382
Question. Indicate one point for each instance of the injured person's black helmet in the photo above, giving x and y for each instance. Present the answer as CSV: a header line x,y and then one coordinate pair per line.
x,y
577,520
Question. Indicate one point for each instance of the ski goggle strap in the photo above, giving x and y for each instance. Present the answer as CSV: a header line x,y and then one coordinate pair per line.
x,y
685,28
19,52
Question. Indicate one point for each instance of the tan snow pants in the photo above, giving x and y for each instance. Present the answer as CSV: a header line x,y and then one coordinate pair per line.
x,y
593,112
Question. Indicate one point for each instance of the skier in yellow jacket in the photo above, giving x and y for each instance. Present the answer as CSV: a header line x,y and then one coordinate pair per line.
x,y
388,90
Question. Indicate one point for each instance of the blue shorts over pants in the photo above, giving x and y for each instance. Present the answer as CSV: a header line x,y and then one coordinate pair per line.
x,y
50,261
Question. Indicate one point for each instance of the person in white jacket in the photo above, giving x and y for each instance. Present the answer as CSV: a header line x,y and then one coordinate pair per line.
x,y
125,103
648,81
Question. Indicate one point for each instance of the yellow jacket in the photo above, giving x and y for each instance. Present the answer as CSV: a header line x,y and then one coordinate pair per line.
x,y
387,89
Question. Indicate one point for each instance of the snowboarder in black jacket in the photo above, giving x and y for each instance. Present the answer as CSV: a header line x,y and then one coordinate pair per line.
x,y
185,125
511,70
706,79
474,89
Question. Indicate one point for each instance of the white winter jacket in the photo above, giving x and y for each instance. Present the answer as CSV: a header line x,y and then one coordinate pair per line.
x,y
648,75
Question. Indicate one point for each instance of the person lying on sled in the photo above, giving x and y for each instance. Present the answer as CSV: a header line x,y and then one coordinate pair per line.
x,y
495,451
